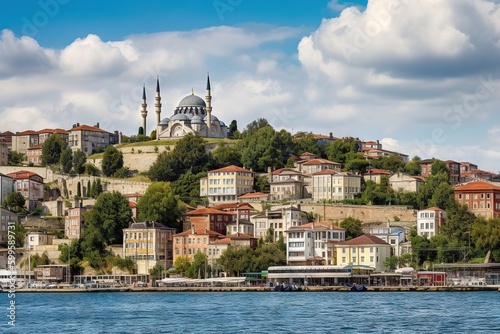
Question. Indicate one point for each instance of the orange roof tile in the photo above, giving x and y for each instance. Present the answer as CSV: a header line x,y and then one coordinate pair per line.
x,y
207,211
253,195
200,232
35,147
476,186
88,128
325,172
25,133
22,175
316,225
434,208
378,171
231,168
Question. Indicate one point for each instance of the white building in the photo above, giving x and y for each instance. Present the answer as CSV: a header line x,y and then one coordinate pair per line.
x,y
337,186
394,236
280,220
34,239
224,185
308,243
429,221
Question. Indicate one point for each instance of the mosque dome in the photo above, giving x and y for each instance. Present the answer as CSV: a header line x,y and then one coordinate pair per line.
x,y
196,120
164,121
192,101
179,117
214,118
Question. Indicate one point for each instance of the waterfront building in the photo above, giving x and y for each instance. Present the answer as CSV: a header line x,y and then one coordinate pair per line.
x,y
193,115
189,242
30,185
209,219
365,250
429,221
311,243
148,243
482,198
224,185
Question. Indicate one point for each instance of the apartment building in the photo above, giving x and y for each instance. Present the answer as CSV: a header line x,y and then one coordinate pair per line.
x,y
286,183
89,139
226,184
330,185
279,220
429,221
482,198
30,185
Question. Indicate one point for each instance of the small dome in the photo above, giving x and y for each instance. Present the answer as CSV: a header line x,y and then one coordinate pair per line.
x,y
196,120
214,118
179,117
222,123
164,121
192,101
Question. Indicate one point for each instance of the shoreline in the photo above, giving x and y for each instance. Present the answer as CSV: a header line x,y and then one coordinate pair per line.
x,y
264,289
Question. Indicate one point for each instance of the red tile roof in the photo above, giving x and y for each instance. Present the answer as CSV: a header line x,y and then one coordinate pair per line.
x,y
378,171
434,208
281,170
27,132
232,206
35,147
231,168
22,175
200,232
476,186
60,131
325,172
316,225
88,128
206,211
253,195
365,239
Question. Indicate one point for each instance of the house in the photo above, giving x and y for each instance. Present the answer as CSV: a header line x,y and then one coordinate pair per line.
x,y
30,185
482,198
34,239
21,141
323,139
6,186
239,210
219,246
4,151
192,241
34,155
209,219
73,221
337,186
90,139
278,220
226,184
286,183
467,166
476,175
369,145
429,221
7,218
148,243
453,166
393,235
365,250
403,182
307,244
317,165
375,174
46,133
373,153
252,197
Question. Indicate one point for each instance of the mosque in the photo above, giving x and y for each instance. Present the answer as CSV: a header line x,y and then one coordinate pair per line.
x,y
192,115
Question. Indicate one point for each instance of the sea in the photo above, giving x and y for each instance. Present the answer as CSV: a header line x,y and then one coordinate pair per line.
x,y
253,312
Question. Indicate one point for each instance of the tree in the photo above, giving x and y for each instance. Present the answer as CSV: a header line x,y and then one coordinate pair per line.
x,y
152,135
182,264
19,235
111,161
91,169
140,131
187,187
66,160
199,267
352,227
357,165
338,150
88,191
485,235
233,129
157,270
15,158
52,149
391,262
109,216
307,143
393,162
254,126
159,204
413,166
226,155
14,202
78,190
261,184
79,160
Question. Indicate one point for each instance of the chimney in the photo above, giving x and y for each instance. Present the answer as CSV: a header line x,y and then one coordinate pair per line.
x,y
97,125
331,134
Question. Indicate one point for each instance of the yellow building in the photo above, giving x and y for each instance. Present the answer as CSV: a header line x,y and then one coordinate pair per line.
x,y
330,185
367,250
190,242
225,184
148,243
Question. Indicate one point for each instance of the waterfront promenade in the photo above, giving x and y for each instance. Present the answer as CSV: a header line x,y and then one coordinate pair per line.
x,y
265,289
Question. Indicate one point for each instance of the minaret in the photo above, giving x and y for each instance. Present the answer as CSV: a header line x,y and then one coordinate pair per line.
x,y
208,99
144,111
157,105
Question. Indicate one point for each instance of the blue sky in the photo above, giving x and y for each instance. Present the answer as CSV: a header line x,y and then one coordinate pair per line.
x,y
421,76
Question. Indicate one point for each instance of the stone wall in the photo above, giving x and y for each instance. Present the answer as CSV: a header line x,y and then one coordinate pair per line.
x,y
366,213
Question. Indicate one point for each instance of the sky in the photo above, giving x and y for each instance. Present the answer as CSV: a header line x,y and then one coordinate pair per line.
x,y
421,76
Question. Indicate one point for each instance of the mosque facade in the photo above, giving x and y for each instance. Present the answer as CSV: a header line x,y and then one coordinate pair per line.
x,y
192,115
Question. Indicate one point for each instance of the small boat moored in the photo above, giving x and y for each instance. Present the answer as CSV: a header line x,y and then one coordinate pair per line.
x,y
356,287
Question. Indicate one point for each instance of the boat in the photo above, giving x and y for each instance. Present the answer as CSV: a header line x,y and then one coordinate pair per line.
x,y
287,287
356,287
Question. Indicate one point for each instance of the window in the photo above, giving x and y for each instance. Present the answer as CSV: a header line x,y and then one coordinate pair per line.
x,y
371,258
362,259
